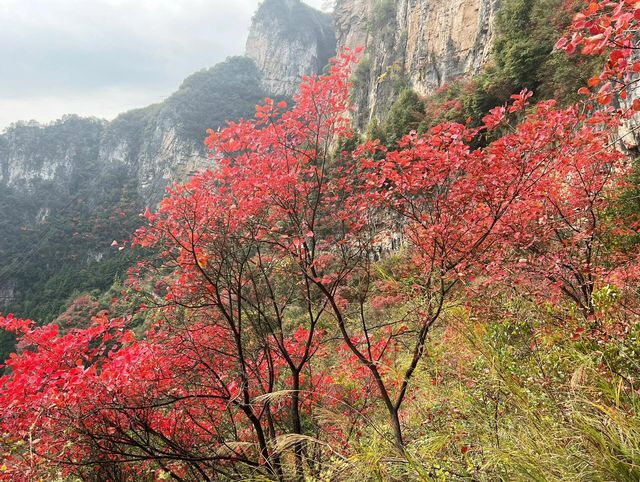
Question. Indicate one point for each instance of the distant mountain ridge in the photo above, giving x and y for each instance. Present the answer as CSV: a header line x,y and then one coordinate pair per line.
x,y
156,144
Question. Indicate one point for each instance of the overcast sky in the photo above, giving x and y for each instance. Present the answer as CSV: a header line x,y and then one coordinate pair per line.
x,y
102,57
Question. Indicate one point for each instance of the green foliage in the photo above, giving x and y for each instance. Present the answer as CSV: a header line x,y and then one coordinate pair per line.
x,y
524,40
524,49
376,131
513,397
362,72
630,202
405,116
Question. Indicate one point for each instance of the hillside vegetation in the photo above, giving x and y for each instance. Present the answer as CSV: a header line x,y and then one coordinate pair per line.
x,y
445,299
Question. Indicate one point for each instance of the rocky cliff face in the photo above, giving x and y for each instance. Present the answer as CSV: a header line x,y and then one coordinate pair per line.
x,y
422,44
157,158
289,40
35,156
31,153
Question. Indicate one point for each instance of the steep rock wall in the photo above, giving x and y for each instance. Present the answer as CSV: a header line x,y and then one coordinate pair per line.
x,y
37,155
422,44
31,153
289,40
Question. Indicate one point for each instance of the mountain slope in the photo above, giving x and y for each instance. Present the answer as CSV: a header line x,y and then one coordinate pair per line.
x,y
69,188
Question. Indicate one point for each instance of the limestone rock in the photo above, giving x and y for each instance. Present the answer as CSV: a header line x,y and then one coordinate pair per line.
x,y
289,40
421,43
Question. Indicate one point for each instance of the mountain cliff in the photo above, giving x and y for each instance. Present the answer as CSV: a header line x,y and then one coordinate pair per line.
x,y
288,40
420,44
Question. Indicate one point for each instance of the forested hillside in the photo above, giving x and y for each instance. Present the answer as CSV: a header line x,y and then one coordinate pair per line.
x,y
71,188
447,291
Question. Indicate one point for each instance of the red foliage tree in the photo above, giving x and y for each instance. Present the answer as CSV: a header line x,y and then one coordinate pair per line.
x,y
241,240
267,284
609,28
226,371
